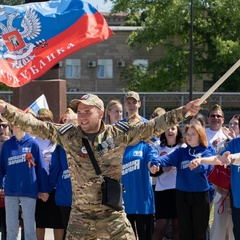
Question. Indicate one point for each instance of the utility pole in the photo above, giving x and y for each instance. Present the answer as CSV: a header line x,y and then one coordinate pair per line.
x,y
191,53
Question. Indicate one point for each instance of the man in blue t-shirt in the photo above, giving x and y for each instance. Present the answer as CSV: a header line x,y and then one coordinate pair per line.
x,y
132,105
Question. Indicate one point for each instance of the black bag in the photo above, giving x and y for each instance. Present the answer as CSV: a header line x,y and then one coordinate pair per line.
x,y
112,193
111,189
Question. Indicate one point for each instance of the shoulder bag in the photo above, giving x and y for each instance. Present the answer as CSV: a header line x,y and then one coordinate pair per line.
x,y
111,189
220,177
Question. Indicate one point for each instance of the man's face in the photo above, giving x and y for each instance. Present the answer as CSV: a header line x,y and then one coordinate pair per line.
x,y
215,120
89,118
132,106
4,129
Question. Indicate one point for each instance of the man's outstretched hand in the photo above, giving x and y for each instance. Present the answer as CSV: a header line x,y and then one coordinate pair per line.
x,y
192,108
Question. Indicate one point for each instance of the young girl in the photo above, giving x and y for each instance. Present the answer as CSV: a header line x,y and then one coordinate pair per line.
x,y
165,190
192,197
22,165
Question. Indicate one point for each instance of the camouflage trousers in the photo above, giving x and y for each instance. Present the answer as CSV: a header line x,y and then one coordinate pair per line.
x,y
99,226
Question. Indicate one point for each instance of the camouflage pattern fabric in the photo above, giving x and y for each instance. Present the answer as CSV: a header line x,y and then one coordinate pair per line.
x,y
89,218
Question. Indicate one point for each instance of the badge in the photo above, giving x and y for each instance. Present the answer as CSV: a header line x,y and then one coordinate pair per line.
x,y
105,150
84,150
100,153
105,147
110,142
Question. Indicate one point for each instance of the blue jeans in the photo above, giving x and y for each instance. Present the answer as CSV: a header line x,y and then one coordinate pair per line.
x,y
12,213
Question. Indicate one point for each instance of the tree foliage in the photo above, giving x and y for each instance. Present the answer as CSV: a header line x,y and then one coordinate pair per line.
x,y
167,23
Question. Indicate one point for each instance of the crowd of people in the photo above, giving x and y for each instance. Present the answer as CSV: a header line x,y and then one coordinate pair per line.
x,y
49,181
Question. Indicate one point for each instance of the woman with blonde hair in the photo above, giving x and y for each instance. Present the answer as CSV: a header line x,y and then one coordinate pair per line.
x,y
113,112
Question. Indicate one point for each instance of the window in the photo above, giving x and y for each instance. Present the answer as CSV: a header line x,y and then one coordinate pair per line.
x,y
105,68
72,69
141,64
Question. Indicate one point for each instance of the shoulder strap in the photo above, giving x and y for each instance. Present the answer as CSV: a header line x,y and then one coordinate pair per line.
x,y
221,207
122,125
92,157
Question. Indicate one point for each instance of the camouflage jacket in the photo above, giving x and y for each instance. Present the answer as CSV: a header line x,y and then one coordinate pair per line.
x,y
108,147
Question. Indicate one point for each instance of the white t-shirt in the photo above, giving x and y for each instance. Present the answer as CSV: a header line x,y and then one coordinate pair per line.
x,y
213,135
167,180
47,148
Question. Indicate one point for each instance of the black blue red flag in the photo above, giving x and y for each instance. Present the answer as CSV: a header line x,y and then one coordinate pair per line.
x,y
36,36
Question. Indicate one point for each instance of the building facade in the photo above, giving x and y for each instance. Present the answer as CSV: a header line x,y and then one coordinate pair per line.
x,y
98,67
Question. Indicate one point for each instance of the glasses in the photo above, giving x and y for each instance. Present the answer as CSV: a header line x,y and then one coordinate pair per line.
x,y
4,125
215,116
233,124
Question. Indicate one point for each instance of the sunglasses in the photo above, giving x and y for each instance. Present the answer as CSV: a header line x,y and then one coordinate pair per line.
x,y
215,116
4,125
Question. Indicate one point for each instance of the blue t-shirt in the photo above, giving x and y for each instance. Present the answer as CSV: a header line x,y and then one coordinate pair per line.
x,y
234,147
138,197
188,180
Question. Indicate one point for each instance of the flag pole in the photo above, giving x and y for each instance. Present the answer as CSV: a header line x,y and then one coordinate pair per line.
x,y
216,85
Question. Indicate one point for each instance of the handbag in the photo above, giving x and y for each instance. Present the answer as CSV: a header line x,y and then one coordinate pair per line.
x,y
111,189
220,176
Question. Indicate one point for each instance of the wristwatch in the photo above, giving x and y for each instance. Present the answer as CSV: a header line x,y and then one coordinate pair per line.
x,y
232,159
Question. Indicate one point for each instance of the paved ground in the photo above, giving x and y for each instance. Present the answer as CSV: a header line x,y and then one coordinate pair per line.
x,y
48,236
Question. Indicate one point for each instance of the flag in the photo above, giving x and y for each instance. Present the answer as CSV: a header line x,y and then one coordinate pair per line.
x,y
36,36
39,103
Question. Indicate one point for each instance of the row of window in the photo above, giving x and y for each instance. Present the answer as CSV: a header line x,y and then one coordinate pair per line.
x,y
104,67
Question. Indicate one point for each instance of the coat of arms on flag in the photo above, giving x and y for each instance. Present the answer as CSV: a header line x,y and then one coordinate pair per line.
x,y
36,36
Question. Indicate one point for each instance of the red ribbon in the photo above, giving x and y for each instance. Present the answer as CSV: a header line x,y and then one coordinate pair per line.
x,y
29,158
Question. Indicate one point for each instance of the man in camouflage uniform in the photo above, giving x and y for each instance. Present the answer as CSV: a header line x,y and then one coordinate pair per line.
x,y
89,218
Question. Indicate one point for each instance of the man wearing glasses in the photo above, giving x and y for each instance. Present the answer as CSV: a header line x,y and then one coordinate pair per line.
x,y
215,120
5,132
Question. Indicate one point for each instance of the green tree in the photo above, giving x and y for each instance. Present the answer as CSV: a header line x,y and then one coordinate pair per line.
x,y
167,23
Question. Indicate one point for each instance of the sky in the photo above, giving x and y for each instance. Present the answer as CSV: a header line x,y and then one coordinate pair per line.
x,y
100,5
